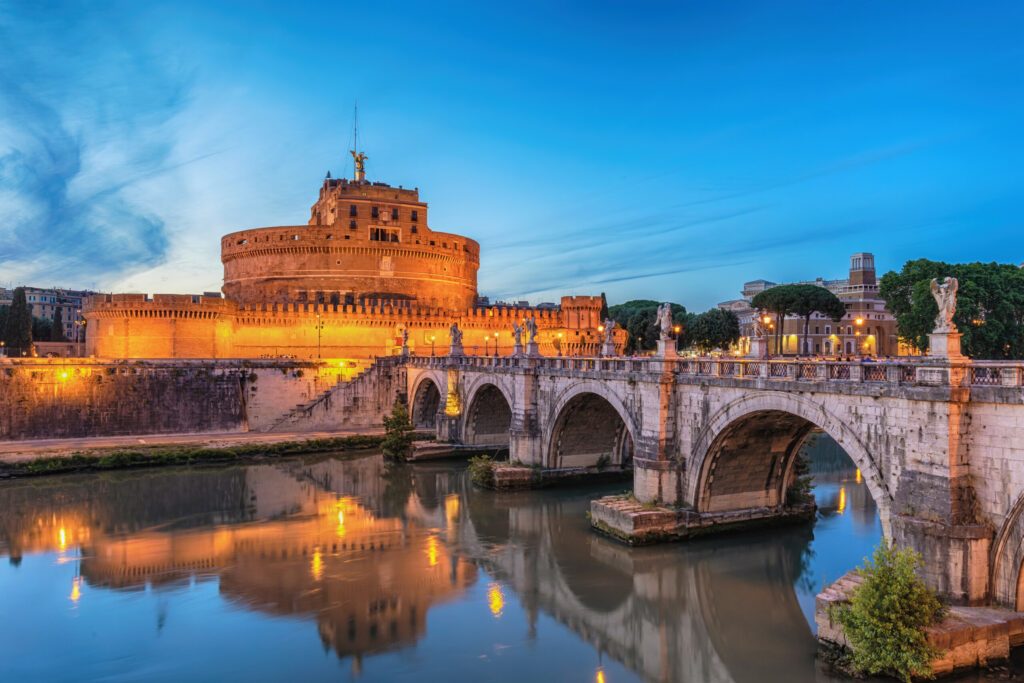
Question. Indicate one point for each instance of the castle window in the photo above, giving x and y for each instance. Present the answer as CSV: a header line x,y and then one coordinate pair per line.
x,y
415,216
295,238
352,210
351,226
330,237
375,212
384,235
394,214
414,230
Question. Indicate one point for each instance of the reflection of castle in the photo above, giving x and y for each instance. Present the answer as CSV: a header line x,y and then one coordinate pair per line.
x,y
365,270
288,540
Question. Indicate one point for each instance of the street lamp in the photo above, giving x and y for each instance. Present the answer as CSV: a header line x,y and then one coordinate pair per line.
x,y
487,338
319,328
559,342
496,343
432,338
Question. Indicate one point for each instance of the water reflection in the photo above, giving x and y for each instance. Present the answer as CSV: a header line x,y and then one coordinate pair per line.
x,y
405,572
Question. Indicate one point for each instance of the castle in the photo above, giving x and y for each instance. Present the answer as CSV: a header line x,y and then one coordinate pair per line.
x,y
363,274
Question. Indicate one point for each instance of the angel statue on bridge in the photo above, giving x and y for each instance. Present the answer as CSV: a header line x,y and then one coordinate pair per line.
x,y
455,334
945,296
517,333
665,320
609,328
531,329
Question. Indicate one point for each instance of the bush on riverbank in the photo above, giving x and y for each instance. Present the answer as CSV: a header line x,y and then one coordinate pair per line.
x,y
156,456
886,617
481,470
398,431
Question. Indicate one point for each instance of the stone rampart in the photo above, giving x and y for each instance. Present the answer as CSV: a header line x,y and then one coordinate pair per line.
x,y
58,398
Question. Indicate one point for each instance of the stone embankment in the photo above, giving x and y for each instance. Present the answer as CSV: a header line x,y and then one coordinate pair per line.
x,y
967,637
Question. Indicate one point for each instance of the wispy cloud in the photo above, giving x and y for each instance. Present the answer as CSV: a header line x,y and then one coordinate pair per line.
x,y
83,109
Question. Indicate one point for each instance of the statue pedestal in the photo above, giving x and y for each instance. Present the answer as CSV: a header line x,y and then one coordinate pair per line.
x,y
517,349
532,349
608,349
758,347
667,348
456,350
944,345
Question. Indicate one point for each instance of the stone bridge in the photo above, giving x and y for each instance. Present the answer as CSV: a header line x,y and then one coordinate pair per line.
x,y
940,444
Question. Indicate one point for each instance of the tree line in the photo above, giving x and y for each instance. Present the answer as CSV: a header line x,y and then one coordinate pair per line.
x,y
19,329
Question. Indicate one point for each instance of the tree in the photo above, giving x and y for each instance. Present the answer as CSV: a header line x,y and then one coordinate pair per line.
x,y
989,312
639,318
398,431
810,299
57,329
18,330
801,300
777,301
887,615
714,329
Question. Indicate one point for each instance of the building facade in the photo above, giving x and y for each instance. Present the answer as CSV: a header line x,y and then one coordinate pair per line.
x,y
867,328
364,273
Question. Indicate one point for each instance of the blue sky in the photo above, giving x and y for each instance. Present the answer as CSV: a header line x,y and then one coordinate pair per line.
x,y
661,150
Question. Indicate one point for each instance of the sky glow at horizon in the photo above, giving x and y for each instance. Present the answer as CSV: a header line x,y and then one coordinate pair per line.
x,y
647,151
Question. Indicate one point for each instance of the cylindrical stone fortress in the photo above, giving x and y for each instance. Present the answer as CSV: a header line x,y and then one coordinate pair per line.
x,y
365,244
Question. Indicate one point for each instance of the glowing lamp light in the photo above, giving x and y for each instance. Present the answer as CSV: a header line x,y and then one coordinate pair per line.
x,y
600,328
858,321
316,567
767,319
76,589
63,538
858,478
599,676
432,551
495,600
677,328
842,500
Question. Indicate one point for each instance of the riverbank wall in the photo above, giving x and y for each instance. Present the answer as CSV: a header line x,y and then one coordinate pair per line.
x,y
56,398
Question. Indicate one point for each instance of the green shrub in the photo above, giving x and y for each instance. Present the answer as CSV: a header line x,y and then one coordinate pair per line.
x,y
398,433
801,490
886,618
481,470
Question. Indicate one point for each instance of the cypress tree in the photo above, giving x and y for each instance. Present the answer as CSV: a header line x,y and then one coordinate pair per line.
x,y
18,333
57,330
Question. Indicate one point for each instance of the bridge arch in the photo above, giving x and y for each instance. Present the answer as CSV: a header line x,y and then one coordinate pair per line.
x,y
588,424
1007,559
487,419
744,456
425,400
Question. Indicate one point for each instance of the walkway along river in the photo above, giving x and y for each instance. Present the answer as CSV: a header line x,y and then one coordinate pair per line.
x,y
333,569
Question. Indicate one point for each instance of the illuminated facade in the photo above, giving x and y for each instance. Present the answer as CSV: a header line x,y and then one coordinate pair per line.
x,y
366,269
868,328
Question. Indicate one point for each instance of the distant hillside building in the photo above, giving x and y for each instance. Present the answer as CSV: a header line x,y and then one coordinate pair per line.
x,y
867,329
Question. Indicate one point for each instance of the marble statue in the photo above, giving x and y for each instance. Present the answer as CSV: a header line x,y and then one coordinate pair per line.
x,y
665,320
945,296
531,329
609,327
517,333
455,334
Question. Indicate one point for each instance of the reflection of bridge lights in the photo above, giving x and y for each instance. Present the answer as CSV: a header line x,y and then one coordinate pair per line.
x,y
432,550
495,599
76,589
451,507
63,539
599,677
857,477
316,567
842,500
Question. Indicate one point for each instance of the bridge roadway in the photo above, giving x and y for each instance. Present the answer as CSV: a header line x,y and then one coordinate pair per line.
x,y
940,444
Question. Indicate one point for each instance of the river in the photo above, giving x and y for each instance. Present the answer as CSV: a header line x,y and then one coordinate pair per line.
x,y
330,569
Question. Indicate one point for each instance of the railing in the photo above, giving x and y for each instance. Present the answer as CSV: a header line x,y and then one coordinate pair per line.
x,y
921,371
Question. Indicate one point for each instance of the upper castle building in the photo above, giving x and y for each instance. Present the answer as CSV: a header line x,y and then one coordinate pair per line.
x,y
364,270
